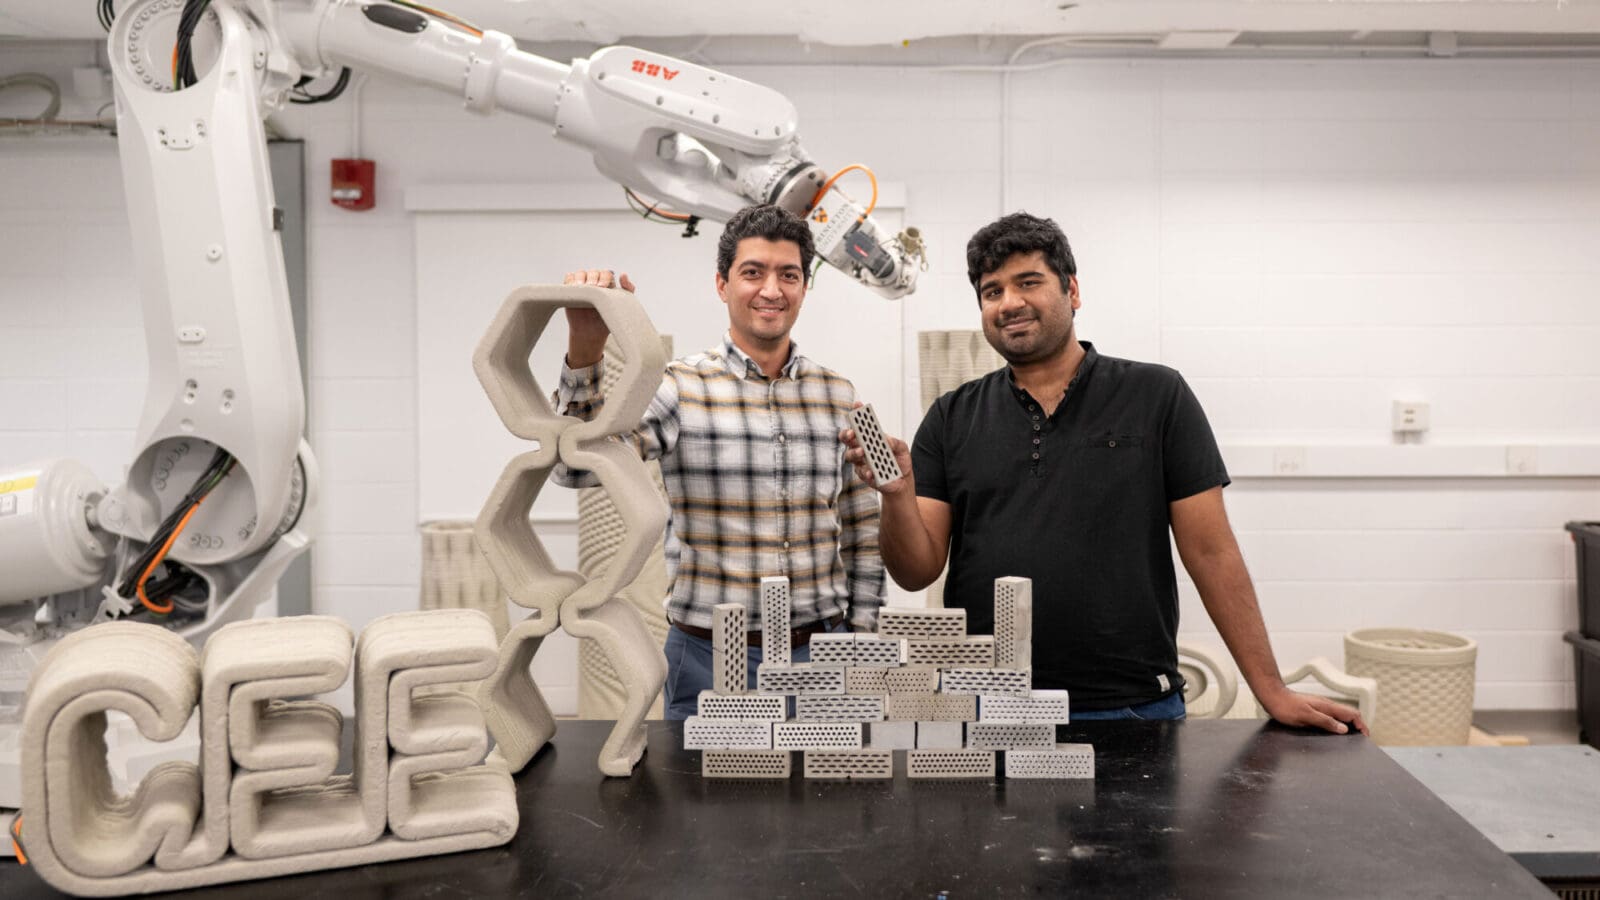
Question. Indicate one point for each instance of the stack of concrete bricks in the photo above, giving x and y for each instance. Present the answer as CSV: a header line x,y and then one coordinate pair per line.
x,y
920,687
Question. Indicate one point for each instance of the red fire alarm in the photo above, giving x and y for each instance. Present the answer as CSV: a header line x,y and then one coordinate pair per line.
x,y
353,181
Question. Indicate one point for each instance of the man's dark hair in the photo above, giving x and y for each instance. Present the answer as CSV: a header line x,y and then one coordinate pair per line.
x,y
772,223
1019,232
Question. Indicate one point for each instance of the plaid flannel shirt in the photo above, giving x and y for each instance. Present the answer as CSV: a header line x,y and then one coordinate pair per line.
x,y
757,483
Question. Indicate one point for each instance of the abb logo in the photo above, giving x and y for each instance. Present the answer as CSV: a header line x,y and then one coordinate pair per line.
x,y
654,70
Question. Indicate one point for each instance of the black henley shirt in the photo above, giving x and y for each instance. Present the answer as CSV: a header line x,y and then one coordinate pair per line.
x,y
1078,502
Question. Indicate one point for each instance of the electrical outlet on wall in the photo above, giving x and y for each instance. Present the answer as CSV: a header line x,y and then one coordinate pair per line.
x,y
1410,416
1289,460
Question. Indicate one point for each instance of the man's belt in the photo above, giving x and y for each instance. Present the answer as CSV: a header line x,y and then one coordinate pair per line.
x,y
797,636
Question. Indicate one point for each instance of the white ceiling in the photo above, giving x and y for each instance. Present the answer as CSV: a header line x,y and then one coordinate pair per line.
x,y
1178,24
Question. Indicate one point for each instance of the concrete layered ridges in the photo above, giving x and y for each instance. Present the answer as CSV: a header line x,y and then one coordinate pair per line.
x,y
891,735
972,652
931,707
1013,623
729,666
775,619
726,734
1038,706
800,679
1008,682
746,764
855,765
949,764
877,650
839,709
764,707
865,680
1010,736
833,649
921,624
920,680
941,735
816,735
1063,761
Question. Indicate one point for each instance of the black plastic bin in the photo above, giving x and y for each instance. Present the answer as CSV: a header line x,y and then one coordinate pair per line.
x,y
1586,535
1587,657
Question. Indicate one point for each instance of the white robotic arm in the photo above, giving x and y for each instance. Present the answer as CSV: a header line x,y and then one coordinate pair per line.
x,y
704,142
222,487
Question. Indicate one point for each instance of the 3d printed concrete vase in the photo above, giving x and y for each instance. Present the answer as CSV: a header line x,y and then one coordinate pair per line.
x,y
945,361
456,576
602,693
264,800
588,608
1425,681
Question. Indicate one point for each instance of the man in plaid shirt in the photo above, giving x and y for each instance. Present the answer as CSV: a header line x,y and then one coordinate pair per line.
x,y
748,438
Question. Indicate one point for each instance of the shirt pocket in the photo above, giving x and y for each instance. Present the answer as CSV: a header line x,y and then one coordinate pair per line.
x,y
1129,444
808,466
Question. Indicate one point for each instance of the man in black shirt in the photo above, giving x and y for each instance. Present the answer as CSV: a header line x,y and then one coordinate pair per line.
x,y
1069,468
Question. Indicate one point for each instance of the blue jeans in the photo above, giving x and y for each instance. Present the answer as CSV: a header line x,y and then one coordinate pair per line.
x,y
1168,707
689,670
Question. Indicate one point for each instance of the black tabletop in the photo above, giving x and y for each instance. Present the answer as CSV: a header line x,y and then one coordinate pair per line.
x,y
1187,809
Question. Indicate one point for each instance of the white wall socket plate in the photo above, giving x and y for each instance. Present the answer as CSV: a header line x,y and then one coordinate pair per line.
x,y
1410,416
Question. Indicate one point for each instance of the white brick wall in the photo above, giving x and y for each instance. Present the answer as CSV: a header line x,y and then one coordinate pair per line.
x,y
1305,240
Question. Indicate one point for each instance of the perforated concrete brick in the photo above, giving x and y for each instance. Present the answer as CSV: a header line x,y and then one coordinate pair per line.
x,y
891,735
776,614
865,680
1063,761
877,650
839,709
729,670
950,764
1013,623
816,735
853,765
1000,682
931,707
919,680
763,707
700,733
833,649
880,458
940,735
800,679
746,764
1010,736
973,652
920,624
1038,706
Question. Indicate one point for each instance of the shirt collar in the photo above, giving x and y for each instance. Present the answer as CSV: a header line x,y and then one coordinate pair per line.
x,y
1089,356
741,365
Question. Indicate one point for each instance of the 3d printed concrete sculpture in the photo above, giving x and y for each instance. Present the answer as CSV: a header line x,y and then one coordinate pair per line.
x,y
587,608
601,693
265,799
920,685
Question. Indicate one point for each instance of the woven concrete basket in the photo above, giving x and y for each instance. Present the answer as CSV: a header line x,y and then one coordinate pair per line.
x,y
1425,683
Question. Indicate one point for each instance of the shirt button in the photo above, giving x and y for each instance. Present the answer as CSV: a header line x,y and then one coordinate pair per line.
x,y
1036,428
1036,418
1031,408
1036,456
1111,444
1036,442
780,438
785,545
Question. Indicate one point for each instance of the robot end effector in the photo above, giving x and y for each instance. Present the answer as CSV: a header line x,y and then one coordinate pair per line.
x,y
709,144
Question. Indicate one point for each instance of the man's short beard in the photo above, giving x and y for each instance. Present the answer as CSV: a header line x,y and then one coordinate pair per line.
x,y
1039,352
